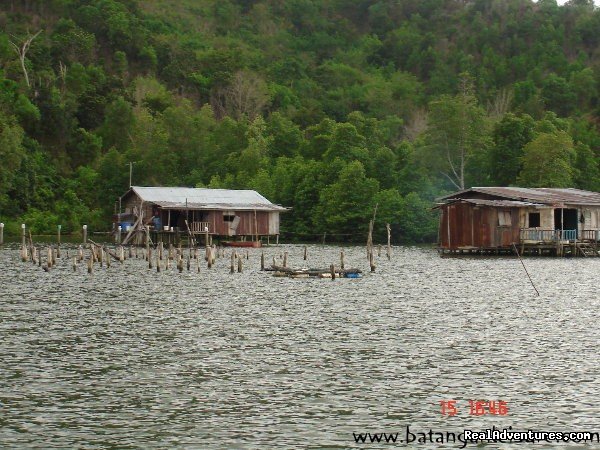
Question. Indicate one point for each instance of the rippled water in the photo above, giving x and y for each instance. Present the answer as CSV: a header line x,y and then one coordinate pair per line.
x,y
131,358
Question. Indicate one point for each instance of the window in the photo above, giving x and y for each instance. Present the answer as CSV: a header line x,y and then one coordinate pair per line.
x,y
228,217
534,220
504,218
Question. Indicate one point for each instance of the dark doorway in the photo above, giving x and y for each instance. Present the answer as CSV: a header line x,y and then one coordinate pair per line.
x,y
569,219
534,220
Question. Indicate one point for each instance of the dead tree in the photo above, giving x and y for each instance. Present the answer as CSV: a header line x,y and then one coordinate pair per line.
x,y
22,50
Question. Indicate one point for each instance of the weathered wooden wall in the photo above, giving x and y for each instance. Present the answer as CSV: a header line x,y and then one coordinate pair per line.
x,y
467,225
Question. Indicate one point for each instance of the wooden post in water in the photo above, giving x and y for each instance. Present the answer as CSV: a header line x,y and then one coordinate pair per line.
x,y
370,240
285,259
305,253
80,253
232,267
49,257
372,262
379,250
262,261
389,246
149,257
23,247
239,265
119,229
58,242
85,235
91,263
74,264
342,259
188,263
158,261
332,271
1,233
148,242
209,258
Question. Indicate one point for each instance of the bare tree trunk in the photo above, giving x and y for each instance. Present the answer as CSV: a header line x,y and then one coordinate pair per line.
x,y
22,52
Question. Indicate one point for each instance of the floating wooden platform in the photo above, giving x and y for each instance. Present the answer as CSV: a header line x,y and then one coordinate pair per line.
x,y
559,248
280,271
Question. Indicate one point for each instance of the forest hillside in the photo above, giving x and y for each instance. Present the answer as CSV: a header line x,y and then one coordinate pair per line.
x,y
325,106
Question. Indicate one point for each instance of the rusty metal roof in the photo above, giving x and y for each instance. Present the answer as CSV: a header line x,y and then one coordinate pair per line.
x,y
546,196
494,203
201,198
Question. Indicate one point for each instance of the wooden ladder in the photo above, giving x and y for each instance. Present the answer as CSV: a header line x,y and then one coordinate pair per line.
x,y
586,249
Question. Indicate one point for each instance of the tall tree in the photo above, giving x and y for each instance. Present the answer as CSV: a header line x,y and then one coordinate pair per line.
x,y
510,136
548,161
457,131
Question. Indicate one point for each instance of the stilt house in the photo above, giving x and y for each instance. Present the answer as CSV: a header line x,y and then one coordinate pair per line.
x,y
540,219
194,211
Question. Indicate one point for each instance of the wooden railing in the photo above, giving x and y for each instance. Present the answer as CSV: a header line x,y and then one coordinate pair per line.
x,y
538,234
590,235
547,235
200,227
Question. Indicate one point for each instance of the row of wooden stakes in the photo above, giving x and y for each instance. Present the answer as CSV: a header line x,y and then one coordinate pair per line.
x,y
103,255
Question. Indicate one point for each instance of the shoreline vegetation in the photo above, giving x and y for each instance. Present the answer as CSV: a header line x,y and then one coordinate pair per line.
x,y
326,107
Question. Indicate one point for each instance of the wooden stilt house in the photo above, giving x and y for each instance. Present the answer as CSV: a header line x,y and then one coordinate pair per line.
x,y
236,214
540,220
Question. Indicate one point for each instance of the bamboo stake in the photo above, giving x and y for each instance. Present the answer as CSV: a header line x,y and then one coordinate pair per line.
x,y
58,242
525,268
389,238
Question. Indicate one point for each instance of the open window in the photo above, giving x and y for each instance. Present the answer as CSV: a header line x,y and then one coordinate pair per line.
x,y
534,220
228,217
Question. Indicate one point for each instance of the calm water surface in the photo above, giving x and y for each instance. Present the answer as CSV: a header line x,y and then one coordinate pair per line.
x,y
131,358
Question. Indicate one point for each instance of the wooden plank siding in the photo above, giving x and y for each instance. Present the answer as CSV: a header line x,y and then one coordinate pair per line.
x,y
464,225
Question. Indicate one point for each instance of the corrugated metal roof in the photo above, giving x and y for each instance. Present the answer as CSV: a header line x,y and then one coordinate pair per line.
x,y
499,203
201,198
546,196
495,203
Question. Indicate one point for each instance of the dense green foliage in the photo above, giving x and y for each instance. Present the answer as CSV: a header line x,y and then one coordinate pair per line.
x,y
327,106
